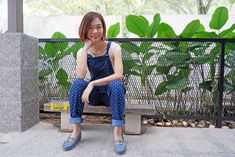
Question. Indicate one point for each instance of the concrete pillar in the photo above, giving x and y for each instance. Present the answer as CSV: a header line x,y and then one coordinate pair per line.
x,y
15,16
19,107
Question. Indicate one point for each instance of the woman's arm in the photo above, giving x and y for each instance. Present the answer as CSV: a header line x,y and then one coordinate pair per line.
x,y
81,68
118,71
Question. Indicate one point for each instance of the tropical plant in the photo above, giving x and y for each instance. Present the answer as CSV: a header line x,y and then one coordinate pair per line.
x,y
137,56
176,59
50,55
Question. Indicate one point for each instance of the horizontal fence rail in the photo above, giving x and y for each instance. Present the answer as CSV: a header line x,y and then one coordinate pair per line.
x,y
182,78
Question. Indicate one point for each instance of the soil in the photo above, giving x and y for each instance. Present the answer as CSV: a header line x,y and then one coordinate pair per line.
x,y
54,118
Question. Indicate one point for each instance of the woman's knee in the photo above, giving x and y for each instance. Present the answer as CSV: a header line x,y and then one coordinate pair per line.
x,y
78,85
116,85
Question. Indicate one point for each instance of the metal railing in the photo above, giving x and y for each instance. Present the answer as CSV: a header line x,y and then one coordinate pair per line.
x,y
183,78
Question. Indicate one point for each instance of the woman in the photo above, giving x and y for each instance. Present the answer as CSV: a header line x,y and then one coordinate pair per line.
x,y
103,60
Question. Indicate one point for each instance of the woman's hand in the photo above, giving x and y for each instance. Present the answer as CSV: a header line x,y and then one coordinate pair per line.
x,y
86,93
87,44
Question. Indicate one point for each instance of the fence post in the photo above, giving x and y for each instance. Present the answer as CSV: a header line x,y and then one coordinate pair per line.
x,y
219,101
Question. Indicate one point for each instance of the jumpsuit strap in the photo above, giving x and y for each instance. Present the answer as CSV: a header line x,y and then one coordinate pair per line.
x,y
108,46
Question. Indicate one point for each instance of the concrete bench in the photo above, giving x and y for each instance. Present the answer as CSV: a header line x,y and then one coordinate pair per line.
x,y
133,113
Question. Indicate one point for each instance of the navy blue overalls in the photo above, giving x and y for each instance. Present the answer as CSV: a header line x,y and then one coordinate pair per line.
x,y
112,94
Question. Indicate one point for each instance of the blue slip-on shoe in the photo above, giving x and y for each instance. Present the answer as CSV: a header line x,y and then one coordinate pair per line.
x,y
120,146
71,142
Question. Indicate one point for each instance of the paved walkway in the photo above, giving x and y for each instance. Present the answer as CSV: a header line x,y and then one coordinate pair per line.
x,y
44,140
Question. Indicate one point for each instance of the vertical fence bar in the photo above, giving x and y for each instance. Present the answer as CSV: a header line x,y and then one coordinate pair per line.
x,y
220,87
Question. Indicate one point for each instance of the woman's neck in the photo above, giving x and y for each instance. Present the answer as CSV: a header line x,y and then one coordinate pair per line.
x,y
98,47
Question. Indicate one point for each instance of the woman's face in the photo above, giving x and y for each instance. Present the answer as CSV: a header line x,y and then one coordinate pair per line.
x,y
95,32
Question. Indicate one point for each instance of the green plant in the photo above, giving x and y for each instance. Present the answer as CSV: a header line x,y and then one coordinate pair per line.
x,y
50,55
139,25
176,59
219,19
114,30
137,56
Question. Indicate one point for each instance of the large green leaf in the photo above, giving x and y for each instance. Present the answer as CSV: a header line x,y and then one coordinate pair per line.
x,y
137,25
66,84
74,49
54,63
158,49
226,32
219,18
207,85
147,70
175,55
228,87
63,90
176,84
162,69
230,60
147,56
144,19
61,46
58,35
229,35
201,59
179,81
231,45
50,49
154,26
182,74
163,65
144,47
198,48
61,75
161,88
205,35
130,66
130,47
190,29
201,28
164,61
44,73
166,31
114,30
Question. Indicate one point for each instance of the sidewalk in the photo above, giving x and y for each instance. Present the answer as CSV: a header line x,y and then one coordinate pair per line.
x,y
44,140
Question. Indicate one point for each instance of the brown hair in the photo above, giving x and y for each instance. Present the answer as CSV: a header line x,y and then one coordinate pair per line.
x,y
86,22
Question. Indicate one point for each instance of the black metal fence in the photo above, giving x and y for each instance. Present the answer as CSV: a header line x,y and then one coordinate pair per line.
x,y
183,78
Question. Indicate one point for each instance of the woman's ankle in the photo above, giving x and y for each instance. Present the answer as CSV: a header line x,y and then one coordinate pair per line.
x,y
76,129
117,133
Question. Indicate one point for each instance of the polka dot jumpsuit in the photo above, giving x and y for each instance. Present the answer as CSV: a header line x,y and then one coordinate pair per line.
x,y
112,94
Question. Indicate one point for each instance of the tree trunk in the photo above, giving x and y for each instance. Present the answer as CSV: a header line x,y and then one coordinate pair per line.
x,y
203,8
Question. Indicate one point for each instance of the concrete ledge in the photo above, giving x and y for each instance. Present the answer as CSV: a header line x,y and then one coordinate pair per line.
x,y
133,114
138,109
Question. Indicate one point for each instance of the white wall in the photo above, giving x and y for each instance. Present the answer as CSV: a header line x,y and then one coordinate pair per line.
x,y
3,15
68,25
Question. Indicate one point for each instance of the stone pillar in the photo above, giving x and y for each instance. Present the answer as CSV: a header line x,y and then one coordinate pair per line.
x,y
19,107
